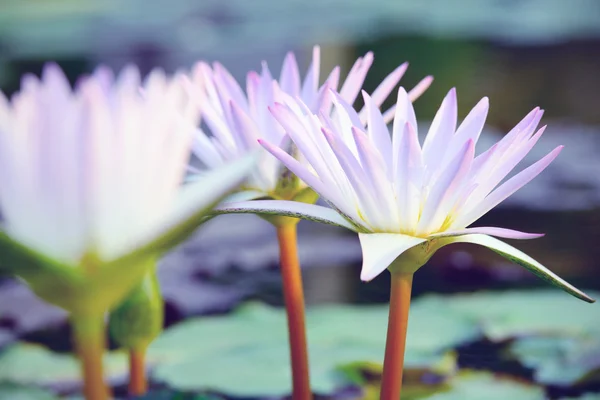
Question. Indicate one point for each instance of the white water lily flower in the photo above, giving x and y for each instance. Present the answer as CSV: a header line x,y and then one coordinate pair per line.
x,y
407,199
97,170
236,120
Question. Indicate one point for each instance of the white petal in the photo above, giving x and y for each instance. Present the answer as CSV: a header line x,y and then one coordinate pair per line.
x,y
356,78
491,231
444,191
470,128
381,249
413,95
420,88
379,133
244,195
442,128
408,174
508,188
197,198
311,81
304,174
385,88
285,208
518,257
290,76
388,84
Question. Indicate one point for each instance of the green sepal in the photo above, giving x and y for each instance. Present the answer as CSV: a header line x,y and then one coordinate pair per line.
x,y
305,195
138,319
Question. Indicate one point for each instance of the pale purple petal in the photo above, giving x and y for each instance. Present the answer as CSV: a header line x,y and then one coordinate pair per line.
x,y
290,76
440,133
379,133
509,187
443,193
356,78
491,231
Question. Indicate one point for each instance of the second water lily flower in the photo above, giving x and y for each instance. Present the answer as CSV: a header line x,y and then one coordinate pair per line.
x,y
406,200
236,120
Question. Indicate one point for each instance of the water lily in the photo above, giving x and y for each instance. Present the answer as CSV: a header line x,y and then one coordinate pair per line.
x,y
406,199
91,189
236,120
400,195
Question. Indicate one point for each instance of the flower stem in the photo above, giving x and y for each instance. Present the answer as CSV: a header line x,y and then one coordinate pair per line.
x,y
89,338
294,303
393,365
138,384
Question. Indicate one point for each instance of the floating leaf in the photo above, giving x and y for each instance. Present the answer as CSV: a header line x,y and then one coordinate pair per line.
x,y
520,313
589,396
482,385
251,345
18,392
561,361
32,364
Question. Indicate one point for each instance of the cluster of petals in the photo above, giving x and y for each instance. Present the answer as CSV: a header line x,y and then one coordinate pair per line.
x,y
96,169
234,120
392,183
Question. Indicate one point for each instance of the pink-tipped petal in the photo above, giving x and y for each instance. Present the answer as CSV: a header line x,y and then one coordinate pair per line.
x,y
420,88
356,78
440,132
290,76
386,87
378,131
509,187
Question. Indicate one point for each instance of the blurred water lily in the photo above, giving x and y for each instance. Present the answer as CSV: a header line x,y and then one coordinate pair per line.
x,y
91,181
236,120
406,200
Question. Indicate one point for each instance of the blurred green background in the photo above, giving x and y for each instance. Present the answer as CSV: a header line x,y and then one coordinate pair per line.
x,y
519,53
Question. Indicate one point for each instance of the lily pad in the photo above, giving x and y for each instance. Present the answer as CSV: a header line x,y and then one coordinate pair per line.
x,y
482,385
251,345
561,361
26,364
521,313
19,392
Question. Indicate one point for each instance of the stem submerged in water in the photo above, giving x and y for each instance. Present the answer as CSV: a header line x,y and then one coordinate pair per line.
x,y
393,365
294,303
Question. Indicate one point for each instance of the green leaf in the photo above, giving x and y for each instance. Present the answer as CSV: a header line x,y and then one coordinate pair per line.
x,y
588,396
561,361
504,315
251,344
481,385
522,259
19,392
30,364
